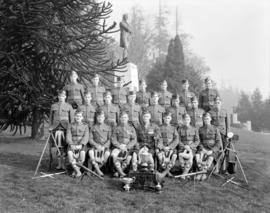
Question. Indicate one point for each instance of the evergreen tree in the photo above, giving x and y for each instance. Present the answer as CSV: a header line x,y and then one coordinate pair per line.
x,y
257,108
244,108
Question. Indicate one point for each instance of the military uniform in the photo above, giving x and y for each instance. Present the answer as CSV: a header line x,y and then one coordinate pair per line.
x,y
143,98
74,94
177,112
185,98
97,95
88,114
220,119
134,113
165,98
119,95
207,99
169,137
188,135
111,114
156,112
100,134
196,117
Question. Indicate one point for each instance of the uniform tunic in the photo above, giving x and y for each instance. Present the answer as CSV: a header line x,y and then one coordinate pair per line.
x,y
185,98
210,138
97,95
165,98
207,98
88,114
156,112
124,134
74,93
100,134
134,113
177,113
188,135
196,117
77,134
119,95
111,112
220,119
143,98
169,137
147,136
61,113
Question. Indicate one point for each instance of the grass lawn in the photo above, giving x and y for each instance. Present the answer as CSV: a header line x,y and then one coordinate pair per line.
x,y
20,193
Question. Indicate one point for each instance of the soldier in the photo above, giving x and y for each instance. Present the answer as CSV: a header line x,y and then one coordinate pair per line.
x,y
148,136
97,91
155,109
100,141
133,109
88,110
124,140
207,96
60,116
74,91
143,97
177,111
189,140
77,138
210,143
186,95
196,114
164,96
220,119
167,144
119,93
111,111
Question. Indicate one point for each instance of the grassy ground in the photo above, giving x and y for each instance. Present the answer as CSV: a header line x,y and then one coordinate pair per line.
x,y
20,193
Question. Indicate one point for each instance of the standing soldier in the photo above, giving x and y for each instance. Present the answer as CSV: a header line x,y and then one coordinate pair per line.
x,y
189,140
143,97
207,96
110,110
196,114
210,144
100,141
74,91
97,91
164,96
155,109
133,110
124,141
177,111
167,144
147,135
77,138
88,110
186,95
119,93
220,119
61,115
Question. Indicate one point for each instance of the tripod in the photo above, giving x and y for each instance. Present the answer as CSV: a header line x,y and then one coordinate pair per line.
x,y
230,160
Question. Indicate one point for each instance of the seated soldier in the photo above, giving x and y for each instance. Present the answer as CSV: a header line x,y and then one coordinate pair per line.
x,y
133,109
74,91
60,116
97,91
147,136
168,142
124,141
210,143
88,109
143,97
77,138
164,96
189,140
110,110
155,109
195,113
177,111
100,141
186,95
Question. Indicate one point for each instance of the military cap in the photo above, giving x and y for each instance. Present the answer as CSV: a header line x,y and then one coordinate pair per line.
x,y
185,81
175,96
217,99
61,92
167,113
78,111
185,115
99,112
145,111
194,99
207,80
154,93
108,92
123,112
206,114
87,92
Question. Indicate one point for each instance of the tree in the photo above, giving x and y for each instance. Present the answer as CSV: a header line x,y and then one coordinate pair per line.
x,y
244,108
257,109
41,43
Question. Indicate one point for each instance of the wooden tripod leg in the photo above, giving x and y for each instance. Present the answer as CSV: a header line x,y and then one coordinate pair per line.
x,y
50,156
41,156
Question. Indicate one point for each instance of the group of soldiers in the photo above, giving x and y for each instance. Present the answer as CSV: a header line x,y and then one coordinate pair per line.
x,y
137,130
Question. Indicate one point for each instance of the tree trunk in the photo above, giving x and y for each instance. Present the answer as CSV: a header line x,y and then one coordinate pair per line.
x,y
36,124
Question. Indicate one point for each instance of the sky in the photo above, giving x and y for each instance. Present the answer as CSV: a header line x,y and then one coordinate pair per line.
x,y
233,36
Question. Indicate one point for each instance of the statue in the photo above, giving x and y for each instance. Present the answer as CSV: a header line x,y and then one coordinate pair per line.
x,y
125,32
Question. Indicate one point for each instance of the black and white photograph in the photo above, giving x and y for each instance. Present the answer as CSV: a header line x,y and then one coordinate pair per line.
x,y
132,106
